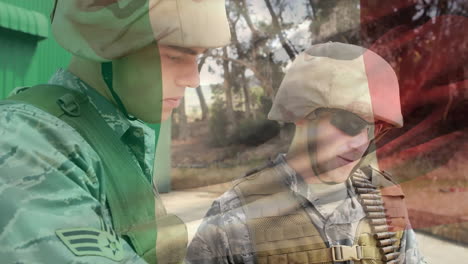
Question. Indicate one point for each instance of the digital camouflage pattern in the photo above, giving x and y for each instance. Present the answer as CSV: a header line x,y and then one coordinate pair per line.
x,y
51,181
223,236
340,76
54,207
104,30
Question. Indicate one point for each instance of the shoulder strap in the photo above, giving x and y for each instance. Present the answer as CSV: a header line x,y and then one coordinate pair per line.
x,y
265,194
129,194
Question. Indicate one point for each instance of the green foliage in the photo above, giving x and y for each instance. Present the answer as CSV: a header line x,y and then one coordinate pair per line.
x,y
256,92
218,124
246,131
254,132
265,104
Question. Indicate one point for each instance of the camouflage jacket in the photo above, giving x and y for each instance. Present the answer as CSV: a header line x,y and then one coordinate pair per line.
x,y
223,236
50,182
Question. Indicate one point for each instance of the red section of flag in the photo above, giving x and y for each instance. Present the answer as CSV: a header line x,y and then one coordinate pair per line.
x,y
430,153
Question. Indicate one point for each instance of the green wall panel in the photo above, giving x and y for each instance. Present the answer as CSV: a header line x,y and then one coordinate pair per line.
x,y
24,20
17,51
27,60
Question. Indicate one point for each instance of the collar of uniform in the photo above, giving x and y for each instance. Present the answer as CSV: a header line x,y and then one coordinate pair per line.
x,y
114,118
349,211
296,182
292,178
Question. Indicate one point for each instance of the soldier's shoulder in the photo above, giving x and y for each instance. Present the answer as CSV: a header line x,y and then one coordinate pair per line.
x,y
268,179
22,119
256,172
231,199
15,112
32,138
226,202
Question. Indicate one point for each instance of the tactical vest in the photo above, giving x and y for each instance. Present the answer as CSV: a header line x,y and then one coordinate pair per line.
x,y
131,200
282,232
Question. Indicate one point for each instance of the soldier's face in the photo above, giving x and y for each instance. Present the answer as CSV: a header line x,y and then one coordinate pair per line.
x,y
337,152
137,80
179,71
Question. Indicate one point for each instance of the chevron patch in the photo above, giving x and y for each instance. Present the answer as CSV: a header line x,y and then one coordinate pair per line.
x,y
92,242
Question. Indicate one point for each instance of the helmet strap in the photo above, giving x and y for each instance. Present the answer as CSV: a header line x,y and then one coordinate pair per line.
x,y
107,75
52,14
312,149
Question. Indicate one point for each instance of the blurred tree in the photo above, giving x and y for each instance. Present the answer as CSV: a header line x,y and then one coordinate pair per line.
x,y
266,36
228,90
275,20
183,128
201,97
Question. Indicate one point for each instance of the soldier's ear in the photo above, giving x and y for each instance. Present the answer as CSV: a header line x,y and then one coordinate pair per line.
x,y
52,14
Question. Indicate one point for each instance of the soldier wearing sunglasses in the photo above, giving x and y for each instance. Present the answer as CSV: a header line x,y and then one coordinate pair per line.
x,y
321,202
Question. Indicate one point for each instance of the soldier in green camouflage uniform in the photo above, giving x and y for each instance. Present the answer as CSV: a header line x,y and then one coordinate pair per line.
x,y
341,98
52,196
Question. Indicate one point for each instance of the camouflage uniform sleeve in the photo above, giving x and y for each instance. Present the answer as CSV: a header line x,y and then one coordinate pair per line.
x,y
49,181
209,245
409,251
223,235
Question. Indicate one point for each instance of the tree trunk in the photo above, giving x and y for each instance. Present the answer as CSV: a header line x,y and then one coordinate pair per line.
x,y
183,127
312,7
276,24
265,81
201,97
258,40
228,90
245,13
203,105
247,101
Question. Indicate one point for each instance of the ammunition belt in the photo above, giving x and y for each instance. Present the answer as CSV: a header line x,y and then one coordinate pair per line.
x,y
371,201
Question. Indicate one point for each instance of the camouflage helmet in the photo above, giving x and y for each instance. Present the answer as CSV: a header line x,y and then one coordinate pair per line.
x,y
104,30
340,76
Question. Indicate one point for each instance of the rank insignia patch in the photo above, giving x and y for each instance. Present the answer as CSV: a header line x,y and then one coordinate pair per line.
x,y
92,242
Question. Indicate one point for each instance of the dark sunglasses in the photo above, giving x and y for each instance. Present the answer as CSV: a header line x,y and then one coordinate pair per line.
x,y
352,124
